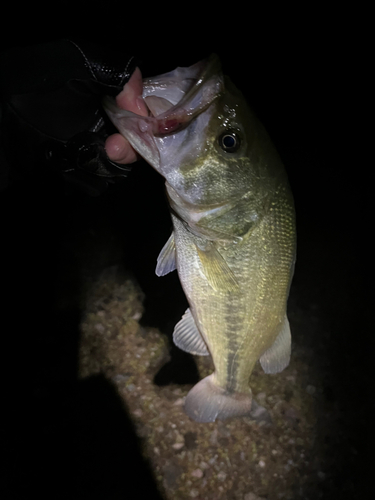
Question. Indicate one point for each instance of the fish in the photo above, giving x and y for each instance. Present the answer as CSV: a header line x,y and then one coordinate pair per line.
x,y
234,238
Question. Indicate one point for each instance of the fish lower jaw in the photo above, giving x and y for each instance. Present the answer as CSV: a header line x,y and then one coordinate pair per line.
x,y
207,402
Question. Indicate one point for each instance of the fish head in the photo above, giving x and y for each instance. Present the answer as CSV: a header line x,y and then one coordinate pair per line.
x,y
202,137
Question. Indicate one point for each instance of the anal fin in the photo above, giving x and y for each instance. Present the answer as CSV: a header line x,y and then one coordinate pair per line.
x,y
186,336
277,357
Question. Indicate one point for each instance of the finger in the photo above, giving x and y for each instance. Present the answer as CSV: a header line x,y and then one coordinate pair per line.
x,y
119,150
130,98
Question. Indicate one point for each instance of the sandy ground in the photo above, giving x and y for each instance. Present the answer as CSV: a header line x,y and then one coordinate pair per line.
x,y
240,458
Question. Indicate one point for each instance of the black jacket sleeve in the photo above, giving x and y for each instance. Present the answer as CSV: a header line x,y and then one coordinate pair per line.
x,y
51,114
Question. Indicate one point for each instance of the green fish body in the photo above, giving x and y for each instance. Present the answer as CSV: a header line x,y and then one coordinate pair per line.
x,y
233,240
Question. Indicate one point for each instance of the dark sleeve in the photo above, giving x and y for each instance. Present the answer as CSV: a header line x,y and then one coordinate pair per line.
x,y
52,119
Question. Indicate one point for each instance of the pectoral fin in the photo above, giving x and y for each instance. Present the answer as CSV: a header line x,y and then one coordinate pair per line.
x,y
186,336
166,262
218,274
277,357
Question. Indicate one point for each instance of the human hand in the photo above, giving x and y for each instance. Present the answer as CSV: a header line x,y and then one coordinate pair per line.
x,y
117,147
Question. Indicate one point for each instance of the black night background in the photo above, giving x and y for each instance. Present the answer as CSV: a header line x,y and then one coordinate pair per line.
x,y
299,79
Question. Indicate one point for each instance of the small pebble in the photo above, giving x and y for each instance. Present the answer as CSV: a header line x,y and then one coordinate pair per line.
x,y
311,389
262,463
197,473
177,446
179,438
221,476
179,402
99,328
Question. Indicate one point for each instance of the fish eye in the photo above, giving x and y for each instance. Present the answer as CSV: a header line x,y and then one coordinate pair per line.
x,y
229,141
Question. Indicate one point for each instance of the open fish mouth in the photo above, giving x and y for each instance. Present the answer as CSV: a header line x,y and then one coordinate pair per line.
x,y
173,99
176,98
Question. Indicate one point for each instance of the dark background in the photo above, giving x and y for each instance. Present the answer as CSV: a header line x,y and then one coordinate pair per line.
x,y
302,73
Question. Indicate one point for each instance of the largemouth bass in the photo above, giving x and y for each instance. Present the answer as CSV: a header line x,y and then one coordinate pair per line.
x,y
233,240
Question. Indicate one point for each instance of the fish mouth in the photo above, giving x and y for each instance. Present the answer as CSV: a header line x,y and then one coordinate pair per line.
x,y
174,99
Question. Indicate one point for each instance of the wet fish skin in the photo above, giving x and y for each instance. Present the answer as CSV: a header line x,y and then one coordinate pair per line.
x,y
233,240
